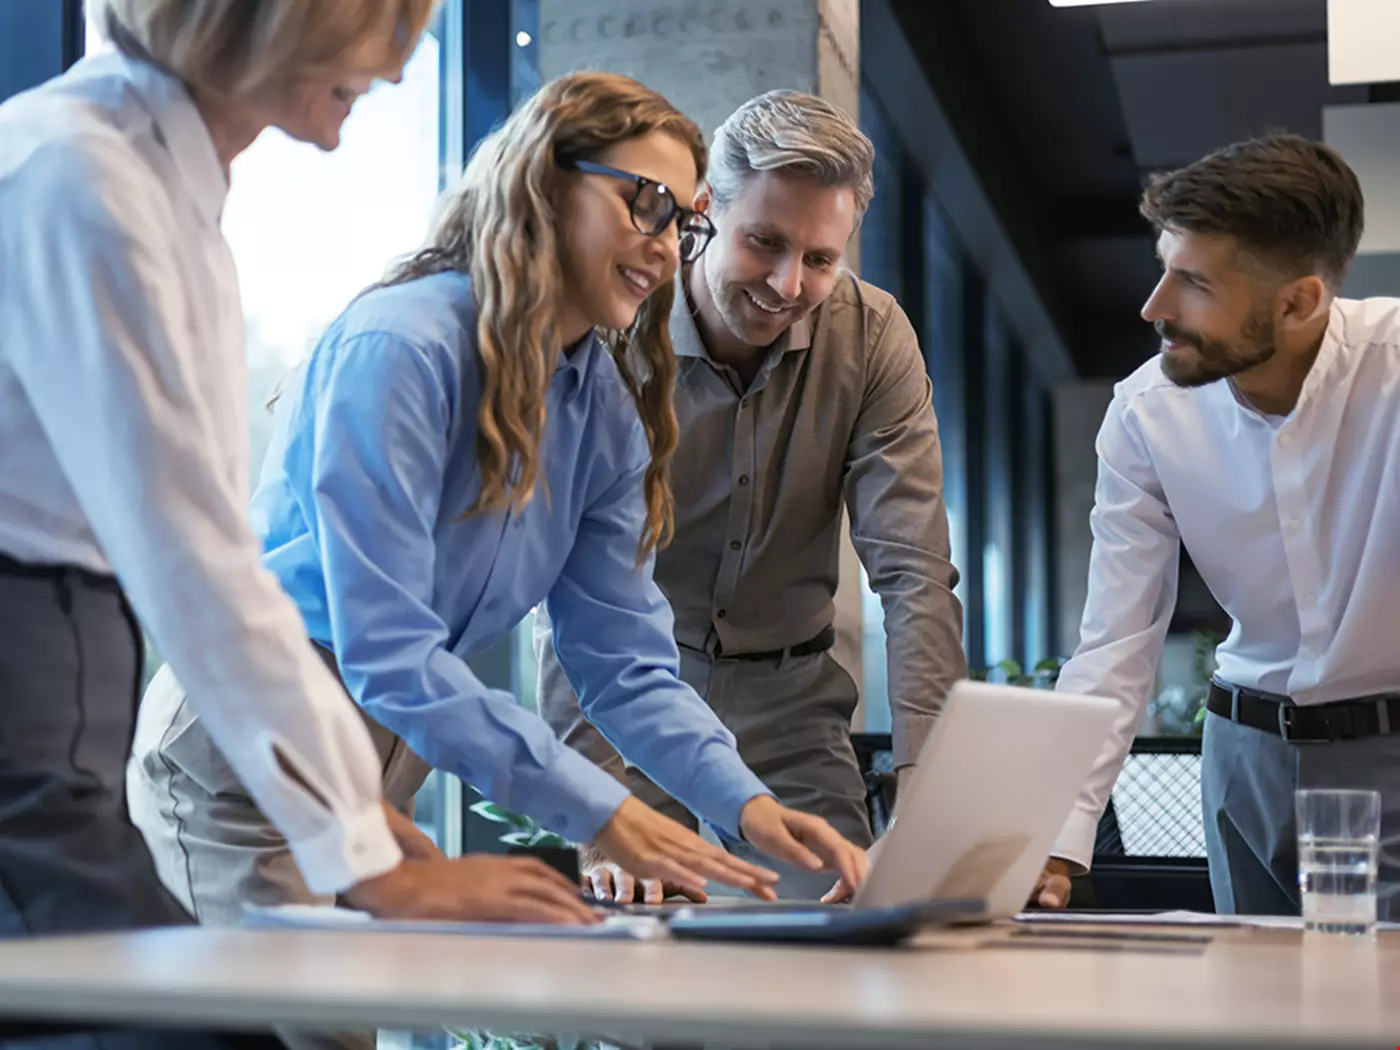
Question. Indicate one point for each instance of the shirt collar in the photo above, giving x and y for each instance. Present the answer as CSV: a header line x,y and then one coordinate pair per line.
x,y
572,369
685,334
184,134
1328,354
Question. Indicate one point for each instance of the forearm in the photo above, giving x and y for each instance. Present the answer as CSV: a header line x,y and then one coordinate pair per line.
x,y
924,654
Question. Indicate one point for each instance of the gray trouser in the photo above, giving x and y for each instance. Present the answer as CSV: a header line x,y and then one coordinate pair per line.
x,y
1247,782
213,847
791,718
70,860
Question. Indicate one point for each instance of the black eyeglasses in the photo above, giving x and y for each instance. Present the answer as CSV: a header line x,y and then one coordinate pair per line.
x,y
653,207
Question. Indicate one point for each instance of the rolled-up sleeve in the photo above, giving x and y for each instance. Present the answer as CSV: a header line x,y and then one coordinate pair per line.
x,y
899,527
372,488
613,636
1132,592
99,335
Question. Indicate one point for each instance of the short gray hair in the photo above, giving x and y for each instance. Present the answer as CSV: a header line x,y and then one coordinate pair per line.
x,y
792,131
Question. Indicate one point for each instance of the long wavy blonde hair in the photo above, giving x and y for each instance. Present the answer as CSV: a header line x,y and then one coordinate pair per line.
x,y
499,226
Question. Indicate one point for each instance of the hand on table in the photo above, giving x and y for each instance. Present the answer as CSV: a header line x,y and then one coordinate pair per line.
x,y
1052,887
609,882
648,845
477,888
802,840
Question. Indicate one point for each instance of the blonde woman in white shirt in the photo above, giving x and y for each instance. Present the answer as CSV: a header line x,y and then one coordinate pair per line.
x,y
1265,439
123,473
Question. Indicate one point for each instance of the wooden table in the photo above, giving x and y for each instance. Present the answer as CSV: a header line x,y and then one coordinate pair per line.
x,y
1252,988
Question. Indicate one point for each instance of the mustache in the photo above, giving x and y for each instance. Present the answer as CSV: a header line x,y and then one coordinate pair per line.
x,y
1167,330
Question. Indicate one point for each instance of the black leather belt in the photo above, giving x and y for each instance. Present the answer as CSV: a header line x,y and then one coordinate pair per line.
x,y
43,571
1306,724
824,640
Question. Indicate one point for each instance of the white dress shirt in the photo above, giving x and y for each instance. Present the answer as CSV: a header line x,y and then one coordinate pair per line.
x,y
124,435
1293,522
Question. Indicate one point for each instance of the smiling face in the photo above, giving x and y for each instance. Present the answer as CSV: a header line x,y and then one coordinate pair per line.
x,y
775,257
314,106
609,267
1215,315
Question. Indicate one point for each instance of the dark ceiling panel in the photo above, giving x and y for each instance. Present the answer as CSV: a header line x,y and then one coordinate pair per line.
x,y
1177,24
1181,105
1051,76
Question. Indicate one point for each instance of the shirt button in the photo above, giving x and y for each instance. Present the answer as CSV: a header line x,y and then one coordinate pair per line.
x,y
1295,524
1306,654
744,403
734,545
1309,599
561,821
743,479
1284,440
721,614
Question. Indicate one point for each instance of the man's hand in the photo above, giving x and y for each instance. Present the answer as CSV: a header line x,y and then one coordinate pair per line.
x,y
473,889
610,882
1052,887
801,839
415,844
651,846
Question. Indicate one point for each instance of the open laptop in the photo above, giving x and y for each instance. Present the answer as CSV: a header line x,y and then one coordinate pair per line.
x,y
976,819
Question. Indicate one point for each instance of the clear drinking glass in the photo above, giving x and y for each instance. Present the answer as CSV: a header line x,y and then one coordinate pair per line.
x,y
1338,841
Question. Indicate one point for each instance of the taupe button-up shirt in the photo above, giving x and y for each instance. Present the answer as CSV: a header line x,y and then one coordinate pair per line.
x,y
841,409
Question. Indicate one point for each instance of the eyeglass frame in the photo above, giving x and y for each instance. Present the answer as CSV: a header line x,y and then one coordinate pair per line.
x,y
680,214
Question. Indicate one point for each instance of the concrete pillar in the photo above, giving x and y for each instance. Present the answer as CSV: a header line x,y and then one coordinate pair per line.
x,y
709,57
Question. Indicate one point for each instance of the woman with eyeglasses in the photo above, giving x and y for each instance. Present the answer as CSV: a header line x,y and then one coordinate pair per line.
x,y
487,429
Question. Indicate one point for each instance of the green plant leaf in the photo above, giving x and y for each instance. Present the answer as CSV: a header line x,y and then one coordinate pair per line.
x,y
1050,665
488,810
1010,668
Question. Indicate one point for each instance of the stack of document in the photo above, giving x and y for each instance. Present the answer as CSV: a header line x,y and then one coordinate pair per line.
x,y
321,917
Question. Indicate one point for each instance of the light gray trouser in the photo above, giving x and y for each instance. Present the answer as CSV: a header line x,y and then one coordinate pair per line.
x,y
792,721
212,846
1247,782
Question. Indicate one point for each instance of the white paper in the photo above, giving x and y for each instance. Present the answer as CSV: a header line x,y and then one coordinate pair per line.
x,y
1171,918
1104,918
321,917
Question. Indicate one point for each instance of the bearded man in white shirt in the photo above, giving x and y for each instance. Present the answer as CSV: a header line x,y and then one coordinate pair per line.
x,y
1265,438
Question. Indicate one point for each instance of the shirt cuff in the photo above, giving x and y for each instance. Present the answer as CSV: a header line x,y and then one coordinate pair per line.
x,y
909,739
722,787
349,851
1076,841
576,797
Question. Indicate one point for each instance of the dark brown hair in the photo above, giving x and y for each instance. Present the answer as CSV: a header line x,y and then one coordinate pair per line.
x,y
1290,202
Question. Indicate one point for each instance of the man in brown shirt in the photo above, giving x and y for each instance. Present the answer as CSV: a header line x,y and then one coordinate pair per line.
x,y
801,389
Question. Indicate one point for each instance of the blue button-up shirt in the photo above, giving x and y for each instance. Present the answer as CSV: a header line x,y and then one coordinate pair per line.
x,y
361,510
